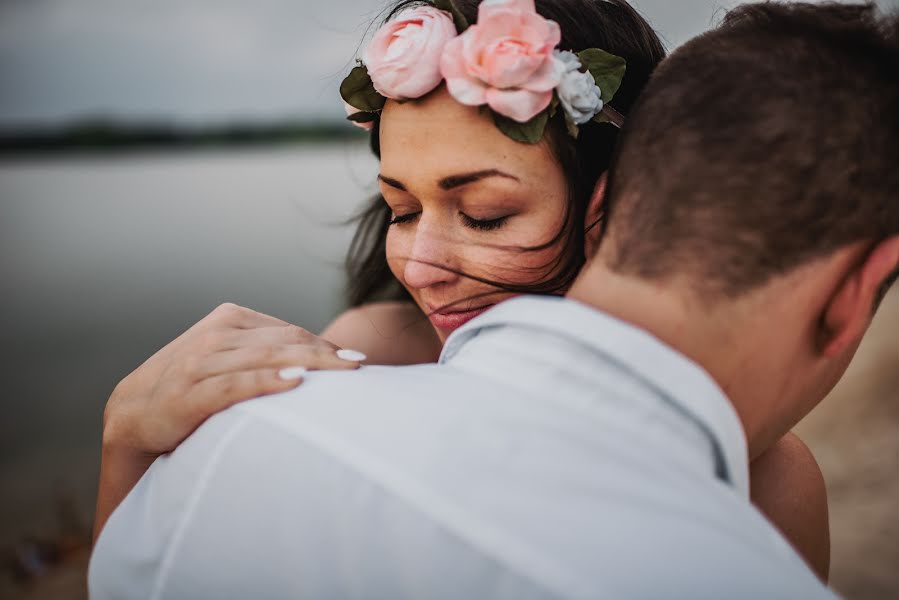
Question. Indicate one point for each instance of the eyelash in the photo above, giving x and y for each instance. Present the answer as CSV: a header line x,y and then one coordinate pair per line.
x,y
479,225
401,219
485,225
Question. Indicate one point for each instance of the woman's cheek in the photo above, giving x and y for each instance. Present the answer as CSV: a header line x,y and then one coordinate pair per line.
x,y
531,268
538,266
509,260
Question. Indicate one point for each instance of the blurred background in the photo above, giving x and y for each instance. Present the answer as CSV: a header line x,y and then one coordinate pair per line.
x,y
159,158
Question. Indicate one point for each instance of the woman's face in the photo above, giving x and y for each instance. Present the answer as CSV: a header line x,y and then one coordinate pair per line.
x,y
466,198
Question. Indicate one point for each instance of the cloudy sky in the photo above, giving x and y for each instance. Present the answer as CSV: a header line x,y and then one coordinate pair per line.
x,y
209,60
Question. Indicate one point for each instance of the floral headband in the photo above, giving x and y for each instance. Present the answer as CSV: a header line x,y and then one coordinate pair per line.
x,y
507,61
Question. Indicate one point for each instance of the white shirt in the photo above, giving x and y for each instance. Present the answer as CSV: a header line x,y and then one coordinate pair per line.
x,y
554,452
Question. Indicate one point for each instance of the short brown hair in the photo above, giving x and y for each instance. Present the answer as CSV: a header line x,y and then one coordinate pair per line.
x,y
759,146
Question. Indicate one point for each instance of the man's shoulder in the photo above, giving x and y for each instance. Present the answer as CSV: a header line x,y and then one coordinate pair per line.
x,y
485,480
368,400
398,418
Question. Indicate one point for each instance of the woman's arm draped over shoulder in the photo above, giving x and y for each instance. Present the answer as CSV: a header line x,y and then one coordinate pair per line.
x,y
389,333
231,355
788,487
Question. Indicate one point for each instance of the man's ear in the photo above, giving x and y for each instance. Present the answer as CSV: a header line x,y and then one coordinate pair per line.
x,y
593,217
849,312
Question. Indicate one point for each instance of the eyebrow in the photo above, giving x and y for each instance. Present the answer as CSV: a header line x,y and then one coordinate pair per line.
x,y
454,181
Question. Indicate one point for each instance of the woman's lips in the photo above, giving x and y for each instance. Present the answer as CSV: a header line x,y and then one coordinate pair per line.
x,y
450,320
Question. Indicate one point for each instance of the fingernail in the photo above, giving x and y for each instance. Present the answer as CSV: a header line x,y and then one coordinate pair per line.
x,y
351,355
291,373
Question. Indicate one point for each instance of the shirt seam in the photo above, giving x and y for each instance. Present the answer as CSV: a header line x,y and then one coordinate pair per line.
x,y
193,501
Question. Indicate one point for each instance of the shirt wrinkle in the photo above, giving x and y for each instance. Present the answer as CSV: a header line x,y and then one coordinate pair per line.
x,y
634,352
463,526
168,553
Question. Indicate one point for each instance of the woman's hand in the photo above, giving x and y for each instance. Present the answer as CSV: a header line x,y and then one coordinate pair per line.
x,y
232,355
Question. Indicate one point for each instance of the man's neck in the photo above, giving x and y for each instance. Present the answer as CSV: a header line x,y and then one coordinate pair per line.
x,y
705,335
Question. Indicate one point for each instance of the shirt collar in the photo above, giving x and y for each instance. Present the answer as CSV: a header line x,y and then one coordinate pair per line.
x,y
672,374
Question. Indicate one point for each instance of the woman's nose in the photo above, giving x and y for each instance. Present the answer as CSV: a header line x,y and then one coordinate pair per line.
x,y
430,261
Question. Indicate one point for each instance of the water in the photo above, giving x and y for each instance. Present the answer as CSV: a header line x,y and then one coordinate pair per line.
x,y
104,259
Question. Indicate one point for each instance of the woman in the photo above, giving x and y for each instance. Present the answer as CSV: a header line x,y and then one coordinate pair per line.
x,y
487,190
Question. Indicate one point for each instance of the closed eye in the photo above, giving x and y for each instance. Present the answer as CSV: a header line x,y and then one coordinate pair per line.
x,y
483,224
400,219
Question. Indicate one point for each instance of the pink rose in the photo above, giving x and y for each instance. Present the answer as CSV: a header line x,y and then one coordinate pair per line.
x,y
403,58
352,110
505,60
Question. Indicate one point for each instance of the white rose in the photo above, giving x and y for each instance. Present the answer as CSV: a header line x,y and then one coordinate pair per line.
x,y
568,59
580,96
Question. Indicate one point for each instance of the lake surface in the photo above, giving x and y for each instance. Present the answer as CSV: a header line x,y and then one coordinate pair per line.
x,y
104,259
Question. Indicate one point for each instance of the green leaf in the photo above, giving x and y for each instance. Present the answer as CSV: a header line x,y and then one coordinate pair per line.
x,y
358,91
528,133
361,117
553,105
607,69
458,18
610,115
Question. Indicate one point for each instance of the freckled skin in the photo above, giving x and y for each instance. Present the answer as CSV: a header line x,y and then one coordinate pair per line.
x,y
430,139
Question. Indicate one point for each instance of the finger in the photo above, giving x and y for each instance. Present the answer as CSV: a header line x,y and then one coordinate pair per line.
x,y
220,330
271,357
222,391
215,332
241,317
267,336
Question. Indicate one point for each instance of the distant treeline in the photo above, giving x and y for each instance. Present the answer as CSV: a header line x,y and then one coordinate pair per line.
x,y
108,135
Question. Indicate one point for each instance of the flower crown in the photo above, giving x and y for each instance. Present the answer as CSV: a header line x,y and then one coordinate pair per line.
x,y
507,62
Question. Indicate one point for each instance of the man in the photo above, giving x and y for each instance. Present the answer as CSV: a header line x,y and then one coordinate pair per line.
x,y
594,446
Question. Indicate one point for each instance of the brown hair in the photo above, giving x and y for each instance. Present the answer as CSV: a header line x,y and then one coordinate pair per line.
x,y
612,25
759,146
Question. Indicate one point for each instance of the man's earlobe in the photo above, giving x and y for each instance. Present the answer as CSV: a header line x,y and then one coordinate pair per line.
x,y
593,218
849,312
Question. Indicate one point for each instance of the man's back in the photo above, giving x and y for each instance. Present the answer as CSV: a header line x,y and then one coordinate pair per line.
x,y
556,453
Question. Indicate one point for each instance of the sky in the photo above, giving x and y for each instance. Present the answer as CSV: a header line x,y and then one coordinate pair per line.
x,y
208,61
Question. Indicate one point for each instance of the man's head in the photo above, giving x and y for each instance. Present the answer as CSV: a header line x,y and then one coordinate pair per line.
x,y
758,180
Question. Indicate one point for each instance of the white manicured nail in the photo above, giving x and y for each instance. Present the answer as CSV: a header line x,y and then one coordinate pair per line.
x,y
291,373
351,355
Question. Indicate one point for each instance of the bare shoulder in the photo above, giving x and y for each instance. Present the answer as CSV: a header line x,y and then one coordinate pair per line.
x,y
788,487
390,333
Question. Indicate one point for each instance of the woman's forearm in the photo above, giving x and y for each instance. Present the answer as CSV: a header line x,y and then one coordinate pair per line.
x,y
120,470
231,355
